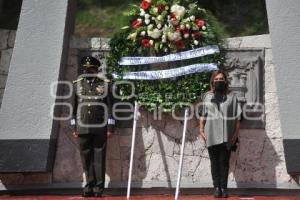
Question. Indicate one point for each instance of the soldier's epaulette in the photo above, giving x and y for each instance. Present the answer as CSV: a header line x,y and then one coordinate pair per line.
x,y
77,80
104,79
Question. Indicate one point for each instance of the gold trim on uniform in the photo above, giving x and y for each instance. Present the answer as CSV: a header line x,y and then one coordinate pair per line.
x,y
80,79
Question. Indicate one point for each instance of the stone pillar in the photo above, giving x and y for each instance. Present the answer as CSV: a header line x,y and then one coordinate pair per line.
x,y
284,25
27,129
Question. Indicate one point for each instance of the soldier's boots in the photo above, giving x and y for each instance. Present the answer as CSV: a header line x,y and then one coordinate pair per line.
x,y
98,191
87,191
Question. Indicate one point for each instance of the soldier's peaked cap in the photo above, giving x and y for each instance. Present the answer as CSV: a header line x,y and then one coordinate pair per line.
x,y
90,61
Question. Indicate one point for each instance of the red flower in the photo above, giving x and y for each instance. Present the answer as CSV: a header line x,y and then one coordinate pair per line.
x,y
146,43
178,29
180,44
196,35
145,5
185,31
173,16
136,24
200,22
161,7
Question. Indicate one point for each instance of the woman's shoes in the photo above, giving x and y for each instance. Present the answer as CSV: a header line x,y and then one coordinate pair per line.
x,y
224,193
217,192
220,192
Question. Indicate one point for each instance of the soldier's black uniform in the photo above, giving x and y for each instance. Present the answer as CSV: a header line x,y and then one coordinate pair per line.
x,y
92,118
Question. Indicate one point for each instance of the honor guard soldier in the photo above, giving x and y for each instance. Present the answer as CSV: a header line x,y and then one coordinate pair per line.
x,y
92,123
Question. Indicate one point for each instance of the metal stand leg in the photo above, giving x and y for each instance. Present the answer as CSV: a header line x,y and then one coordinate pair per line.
x,y
181,154
132,148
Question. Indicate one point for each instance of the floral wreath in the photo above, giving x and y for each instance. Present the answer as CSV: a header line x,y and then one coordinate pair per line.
x,y
158,28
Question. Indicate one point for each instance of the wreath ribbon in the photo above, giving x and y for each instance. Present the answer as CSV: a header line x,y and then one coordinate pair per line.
x,y
194,53
169,73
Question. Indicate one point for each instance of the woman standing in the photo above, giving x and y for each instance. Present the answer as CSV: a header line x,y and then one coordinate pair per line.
x,y
219,128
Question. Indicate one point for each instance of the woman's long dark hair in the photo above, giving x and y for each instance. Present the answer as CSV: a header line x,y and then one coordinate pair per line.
x,y
214,74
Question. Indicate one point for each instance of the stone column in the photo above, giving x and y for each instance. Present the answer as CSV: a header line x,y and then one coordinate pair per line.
x,y
27,131
284,25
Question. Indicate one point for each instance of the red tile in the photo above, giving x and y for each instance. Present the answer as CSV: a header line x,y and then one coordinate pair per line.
x,y
153,197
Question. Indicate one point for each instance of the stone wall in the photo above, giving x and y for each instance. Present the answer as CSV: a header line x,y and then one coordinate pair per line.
x,y
260,163
7,40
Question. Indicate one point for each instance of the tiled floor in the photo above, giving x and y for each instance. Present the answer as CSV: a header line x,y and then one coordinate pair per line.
x,y
153,197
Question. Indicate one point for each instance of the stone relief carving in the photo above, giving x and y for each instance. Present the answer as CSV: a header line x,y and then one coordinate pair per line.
x,y
245,71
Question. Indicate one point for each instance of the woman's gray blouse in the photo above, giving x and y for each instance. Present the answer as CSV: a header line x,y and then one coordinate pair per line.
x,y
220,121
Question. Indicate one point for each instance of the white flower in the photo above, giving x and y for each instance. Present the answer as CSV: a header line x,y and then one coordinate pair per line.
x,y
192,18
182,26
186,35
155,33
163,39
174,36
150,27
147,16
169,17
179,11
147,21
192,5
159,26
149,1
139,20
132,36
165,28
196,42
166,50
155,10
159,17
143,33
167,7
186,20
187,26
153,18
174,22
142,12
204,28
151,42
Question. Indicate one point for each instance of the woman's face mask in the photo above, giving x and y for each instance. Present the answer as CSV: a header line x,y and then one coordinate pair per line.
x,y
220,86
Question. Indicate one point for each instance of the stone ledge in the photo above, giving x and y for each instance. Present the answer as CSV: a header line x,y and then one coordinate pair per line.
x,y
256,41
